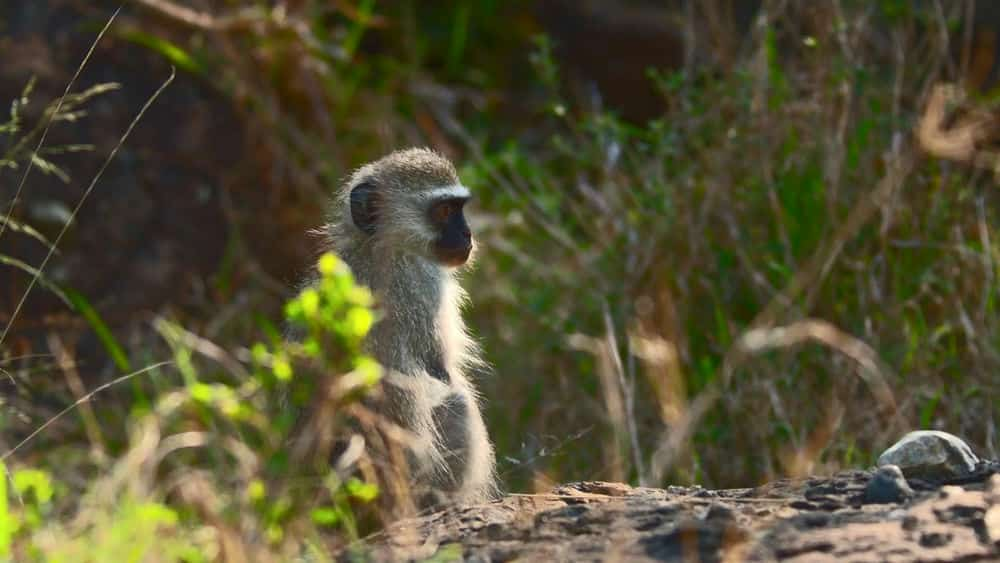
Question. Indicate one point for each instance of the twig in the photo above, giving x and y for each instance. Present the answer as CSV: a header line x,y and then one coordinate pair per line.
x,y
196,19
68,367
628,396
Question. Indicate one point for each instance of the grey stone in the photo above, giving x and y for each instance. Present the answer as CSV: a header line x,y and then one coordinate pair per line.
x,y
929,454
887,486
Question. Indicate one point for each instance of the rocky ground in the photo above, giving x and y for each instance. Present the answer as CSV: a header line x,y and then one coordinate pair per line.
x,y
930,499
814,519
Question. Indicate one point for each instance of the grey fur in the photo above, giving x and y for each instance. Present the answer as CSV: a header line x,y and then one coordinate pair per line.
x,y
420,338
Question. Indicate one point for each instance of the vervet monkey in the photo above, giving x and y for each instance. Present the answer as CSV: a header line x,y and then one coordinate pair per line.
x,y
399,224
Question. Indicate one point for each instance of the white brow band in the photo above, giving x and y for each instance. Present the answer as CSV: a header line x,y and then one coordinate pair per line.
x,y
447,191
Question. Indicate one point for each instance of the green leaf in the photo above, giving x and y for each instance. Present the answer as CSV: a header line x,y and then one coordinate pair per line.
x,y
282,368
326,516
259,353
309,300
202,392
359,321
369,369
170,51
256,491
107,339
328,264
6,520
36,481
155,513
365,492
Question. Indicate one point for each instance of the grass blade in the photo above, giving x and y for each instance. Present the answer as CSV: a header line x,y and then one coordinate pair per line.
x,y
107,339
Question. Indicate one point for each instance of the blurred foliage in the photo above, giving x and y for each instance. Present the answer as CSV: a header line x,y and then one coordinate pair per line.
x,y
223,463
676,234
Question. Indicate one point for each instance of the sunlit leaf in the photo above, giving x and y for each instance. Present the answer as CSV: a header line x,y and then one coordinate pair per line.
x,y
309,299
170,51
282,368
359,321
327,265
326,516
365,492
35,481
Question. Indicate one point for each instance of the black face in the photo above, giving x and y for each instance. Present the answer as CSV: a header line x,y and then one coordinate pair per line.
x,y
454,242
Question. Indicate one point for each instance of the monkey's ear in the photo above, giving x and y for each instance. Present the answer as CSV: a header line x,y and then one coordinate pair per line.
x,y
364,207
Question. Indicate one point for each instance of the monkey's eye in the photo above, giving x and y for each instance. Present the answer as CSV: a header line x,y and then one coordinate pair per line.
x,y
442,211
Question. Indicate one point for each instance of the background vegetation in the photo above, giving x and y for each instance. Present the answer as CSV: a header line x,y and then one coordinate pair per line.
x,y
721,242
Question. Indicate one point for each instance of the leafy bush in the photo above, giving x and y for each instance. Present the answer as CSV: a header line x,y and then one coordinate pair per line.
x,y
223,463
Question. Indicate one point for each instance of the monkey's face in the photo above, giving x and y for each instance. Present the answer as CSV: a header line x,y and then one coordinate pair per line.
x,y
429,222
452,243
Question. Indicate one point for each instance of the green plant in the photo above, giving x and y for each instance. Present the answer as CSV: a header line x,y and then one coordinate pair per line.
x,y
225,460
642,264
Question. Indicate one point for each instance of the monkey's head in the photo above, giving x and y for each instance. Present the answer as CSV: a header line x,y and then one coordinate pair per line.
x,y
411,200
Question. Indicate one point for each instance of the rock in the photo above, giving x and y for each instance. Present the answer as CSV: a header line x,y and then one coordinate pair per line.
x,y
929,454
887,486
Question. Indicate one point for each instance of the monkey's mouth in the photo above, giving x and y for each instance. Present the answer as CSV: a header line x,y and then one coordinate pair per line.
x,y
453,256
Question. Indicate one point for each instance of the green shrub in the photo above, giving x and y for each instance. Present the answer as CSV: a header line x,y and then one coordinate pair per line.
x,y
224,462
625,263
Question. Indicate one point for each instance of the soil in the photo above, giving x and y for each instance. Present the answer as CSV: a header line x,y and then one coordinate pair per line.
x,y
811,519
